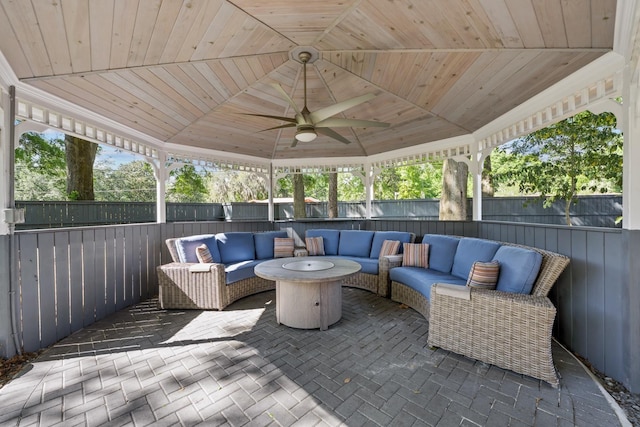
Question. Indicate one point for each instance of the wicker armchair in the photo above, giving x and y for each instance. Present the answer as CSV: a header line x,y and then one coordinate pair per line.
x,y
202,286
511,331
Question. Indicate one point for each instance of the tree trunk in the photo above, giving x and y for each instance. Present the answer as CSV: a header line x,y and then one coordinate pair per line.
x,y
333,195
299,210
80,155
453,203
487,179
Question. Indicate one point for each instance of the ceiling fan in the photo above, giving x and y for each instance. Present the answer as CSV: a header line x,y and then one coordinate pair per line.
x,y
309,124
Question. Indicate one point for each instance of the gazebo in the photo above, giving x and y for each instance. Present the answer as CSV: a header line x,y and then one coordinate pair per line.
x,y
193,83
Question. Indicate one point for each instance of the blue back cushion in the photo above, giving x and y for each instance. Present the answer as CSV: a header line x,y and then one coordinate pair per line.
x,y
469,251
264,243
235,247
355,243
330,238
380,236
186,247
519,269
442,250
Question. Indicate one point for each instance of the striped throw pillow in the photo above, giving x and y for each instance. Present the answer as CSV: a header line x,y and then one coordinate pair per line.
x,y
415,255
282,247
484,275
203,254
315,245
389,247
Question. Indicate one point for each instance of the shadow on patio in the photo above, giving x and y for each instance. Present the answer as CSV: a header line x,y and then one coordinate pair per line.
x,y
143,365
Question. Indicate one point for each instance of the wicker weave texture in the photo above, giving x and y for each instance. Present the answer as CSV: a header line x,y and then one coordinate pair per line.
x,y
405,295
181,289
512,331
362,280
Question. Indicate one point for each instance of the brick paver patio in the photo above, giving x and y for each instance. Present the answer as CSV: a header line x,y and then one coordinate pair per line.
x,y
237,367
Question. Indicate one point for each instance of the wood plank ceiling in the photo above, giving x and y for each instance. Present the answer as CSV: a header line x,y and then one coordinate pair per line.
x,y
184,71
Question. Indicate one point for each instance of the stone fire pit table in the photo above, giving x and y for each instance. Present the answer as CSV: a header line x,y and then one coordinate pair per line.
x,y
308,289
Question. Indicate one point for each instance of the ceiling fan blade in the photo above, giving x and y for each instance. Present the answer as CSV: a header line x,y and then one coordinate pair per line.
x,y
288,125
333,134
353,123
286,96
295,142
284,119
332,110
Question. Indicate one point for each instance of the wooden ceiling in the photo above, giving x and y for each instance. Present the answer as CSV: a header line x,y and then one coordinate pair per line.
x,y
187,72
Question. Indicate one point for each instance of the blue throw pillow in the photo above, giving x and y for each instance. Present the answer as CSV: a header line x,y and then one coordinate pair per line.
x,y
519,269
355,243
186,247
264,243
235,247
380,236
330,239
442,250
469,251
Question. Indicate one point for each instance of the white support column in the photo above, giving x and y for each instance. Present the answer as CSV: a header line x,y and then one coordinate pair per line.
x,y
5,158
369,178
161,174
631,153
270,184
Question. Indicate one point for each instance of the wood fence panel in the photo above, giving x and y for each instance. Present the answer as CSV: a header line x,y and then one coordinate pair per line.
x,y
120,282
47,289
30,313
75,280
614,290
88,274
63,304
595,297
110,270
100,272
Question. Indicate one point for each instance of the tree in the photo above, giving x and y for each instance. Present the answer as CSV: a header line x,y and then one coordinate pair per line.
x,y
129,182
187,186
581,153
236,186
332,203
80,155
487,179
453,202
299,209
40,168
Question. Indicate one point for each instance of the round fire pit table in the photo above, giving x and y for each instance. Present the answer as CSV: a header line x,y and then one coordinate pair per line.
x,y
308,289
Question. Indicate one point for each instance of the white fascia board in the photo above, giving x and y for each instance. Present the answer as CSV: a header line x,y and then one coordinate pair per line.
x,y
319,161
216,155
428,147
604,67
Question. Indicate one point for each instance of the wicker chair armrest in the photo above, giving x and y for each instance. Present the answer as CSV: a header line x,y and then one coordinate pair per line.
x,y
201,289
512,331
388,262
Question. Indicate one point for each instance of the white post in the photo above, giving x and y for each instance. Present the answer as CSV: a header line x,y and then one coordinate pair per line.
x,y
270,184
161,174
631,151
5,159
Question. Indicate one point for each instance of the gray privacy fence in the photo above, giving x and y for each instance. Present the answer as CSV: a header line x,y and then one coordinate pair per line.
x,y
595,211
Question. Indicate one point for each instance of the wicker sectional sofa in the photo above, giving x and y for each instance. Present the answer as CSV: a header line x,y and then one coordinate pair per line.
x,y
509,327
187,284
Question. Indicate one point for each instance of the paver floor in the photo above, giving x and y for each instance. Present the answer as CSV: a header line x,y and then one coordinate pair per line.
x,y
146,366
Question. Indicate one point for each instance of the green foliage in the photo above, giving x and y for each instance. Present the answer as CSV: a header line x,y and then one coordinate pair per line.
x,y
40,168
129,182
579,154
187,185
409,182
234,186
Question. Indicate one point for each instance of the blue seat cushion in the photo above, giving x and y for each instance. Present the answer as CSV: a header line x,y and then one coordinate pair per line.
x,y
240,271
355,243
264,243
469,251
442,250
380,236
330,238
519,269
186,247
235,247
421,279
369,265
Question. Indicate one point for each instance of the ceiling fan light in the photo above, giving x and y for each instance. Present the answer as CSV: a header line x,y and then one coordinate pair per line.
x,y
306,135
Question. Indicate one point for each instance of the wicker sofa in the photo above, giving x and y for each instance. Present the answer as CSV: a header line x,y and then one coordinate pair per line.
x,y
187,284
509,327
